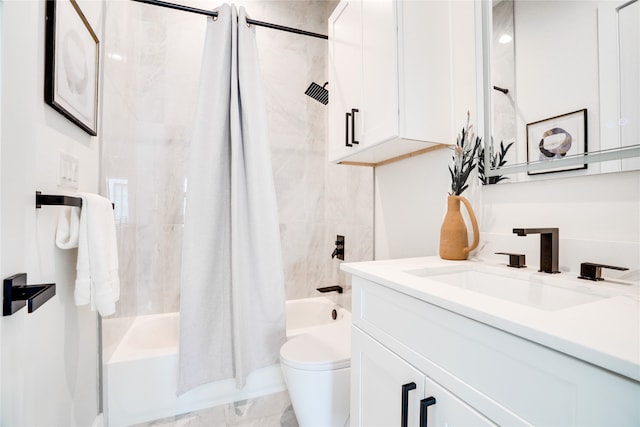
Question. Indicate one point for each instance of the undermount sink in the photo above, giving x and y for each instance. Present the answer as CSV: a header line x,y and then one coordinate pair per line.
x,y
509,288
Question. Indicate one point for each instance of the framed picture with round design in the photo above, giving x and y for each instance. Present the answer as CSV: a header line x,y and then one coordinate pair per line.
x,y
556,138
71,64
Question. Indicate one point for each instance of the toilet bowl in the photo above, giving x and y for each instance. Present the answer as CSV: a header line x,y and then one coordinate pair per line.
x,y
316,368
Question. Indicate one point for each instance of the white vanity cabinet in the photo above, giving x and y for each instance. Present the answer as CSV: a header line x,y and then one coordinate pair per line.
x,y
390,79
477,374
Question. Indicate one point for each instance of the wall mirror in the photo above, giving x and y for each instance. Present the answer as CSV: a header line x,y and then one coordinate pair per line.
x,y
561,87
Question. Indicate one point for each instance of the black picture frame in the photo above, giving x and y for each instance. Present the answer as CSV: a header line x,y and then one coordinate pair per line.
x,y
72,58
555,138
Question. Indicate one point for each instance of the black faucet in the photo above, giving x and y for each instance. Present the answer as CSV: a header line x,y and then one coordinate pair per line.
x,y
548,247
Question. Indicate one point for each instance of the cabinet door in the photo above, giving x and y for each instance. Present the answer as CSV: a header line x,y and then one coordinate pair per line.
x,y
425,82
377,377
379,112
345,76
449,410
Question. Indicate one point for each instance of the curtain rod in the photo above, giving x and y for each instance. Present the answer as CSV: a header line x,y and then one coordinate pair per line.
x,y
215,14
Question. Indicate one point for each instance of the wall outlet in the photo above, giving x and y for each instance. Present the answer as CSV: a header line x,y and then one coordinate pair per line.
x,y
69,171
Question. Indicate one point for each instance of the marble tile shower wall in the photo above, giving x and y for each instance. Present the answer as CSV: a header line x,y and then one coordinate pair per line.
x,y
151,72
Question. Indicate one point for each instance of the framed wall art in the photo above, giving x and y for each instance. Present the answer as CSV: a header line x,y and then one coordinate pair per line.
x,y
556,138
71,64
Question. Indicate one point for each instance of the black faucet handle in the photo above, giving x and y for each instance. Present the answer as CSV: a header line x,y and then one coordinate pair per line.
x,y
515,260
339,250
593,271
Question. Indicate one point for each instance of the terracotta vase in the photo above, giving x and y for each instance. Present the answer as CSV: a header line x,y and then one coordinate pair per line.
x,y
454,243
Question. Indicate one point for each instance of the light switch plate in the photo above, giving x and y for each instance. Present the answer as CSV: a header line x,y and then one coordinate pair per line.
x,y
69,171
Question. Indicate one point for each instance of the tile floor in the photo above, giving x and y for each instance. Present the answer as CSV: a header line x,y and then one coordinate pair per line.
x,y
267,411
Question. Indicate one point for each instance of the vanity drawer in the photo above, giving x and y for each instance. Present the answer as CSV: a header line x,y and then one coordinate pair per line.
x,y
484,365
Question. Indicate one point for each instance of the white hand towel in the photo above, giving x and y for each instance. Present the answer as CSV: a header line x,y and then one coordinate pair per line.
x,y
68,228
97,281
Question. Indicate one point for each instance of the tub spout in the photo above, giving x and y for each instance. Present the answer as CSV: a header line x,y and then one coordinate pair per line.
x,y
330,289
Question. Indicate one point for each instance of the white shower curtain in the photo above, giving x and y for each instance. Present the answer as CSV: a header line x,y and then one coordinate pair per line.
x,y
232,297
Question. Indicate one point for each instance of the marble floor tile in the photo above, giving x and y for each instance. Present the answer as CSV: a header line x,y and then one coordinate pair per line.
x,y
273,410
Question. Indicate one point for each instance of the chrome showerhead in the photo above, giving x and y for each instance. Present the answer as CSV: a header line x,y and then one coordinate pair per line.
x,y
319,93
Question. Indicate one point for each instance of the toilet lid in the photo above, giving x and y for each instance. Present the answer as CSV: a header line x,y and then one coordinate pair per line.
x,y
312,352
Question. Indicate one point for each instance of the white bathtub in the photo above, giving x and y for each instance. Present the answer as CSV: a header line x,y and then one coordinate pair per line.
x,y
308,314
141,373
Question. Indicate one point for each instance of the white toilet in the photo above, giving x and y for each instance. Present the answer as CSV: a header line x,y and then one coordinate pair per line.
x,y
316,368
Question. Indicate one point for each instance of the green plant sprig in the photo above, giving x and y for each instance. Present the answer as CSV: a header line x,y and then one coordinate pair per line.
x,y
464,158
496,162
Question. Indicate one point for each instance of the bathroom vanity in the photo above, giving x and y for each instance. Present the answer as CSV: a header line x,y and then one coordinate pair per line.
x,y
474,343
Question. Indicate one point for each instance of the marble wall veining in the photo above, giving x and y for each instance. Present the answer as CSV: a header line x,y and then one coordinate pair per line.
x,y
152,59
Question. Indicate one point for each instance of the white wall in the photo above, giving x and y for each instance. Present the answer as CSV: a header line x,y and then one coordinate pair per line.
x,y
410,195
49,357
410,203
598,215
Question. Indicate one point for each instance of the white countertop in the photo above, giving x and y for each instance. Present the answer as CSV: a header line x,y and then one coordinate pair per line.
x,y
601,326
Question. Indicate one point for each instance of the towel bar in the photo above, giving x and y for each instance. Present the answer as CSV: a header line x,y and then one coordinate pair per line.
x,y
16,294
44,199
58,200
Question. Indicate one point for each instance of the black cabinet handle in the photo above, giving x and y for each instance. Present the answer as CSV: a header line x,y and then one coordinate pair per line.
x,y
406,388
353,125
424,405
346,130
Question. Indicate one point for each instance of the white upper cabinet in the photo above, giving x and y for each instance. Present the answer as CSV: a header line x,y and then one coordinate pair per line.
x,y
390,74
